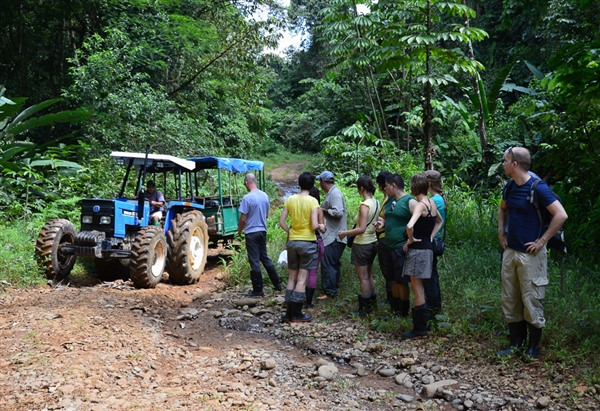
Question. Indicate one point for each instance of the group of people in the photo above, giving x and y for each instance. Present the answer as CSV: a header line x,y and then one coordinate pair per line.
x,y
401,232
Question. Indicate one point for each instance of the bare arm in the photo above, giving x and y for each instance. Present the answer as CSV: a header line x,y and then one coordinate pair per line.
x,y
502,220
321,220
416,214
559,217
314,219
282,220
241,223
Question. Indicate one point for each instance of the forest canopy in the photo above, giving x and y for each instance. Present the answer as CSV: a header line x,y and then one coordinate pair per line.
x,y
387,84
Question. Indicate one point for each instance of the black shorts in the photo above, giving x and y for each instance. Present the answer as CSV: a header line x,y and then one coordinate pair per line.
x,y
396,260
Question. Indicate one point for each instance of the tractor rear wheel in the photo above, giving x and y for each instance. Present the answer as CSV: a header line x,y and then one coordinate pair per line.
x,y
48,249
188,247
148,257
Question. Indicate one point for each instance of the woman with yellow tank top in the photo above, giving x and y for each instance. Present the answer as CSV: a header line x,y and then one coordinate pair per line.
x,y
302,248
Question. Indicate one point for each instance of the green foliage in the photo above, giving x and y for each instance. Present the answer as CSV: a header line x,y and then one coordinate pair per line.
x,y
34,175
357,152
19,267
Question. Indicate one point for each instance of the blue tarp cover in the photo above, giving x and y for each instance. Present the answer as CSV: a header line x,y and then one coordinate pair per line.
x,y
236,165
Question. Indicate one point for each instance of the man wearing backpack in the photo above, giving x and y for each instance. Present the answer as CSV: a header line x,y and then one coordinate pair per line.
x,y
524,259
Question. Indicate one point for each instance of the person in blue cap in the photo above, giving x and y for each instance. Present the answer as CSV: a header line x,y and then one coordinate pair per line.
x,y
334,212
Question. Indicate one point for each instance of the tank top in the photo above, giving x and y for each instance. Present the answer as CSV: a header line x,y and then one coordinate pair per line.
x,y
423,228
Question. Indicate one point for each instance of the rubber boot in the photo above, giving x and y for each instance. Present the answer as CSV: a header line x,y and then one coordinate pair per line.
x,y
371,304
389,297
310,293
404,307
535,336
420,317
517,336
395,307
297,316
362,302
287,317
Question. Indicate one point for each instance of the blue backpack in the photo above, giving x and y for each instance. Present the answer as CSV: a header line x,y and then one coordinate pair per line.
x,y
557,242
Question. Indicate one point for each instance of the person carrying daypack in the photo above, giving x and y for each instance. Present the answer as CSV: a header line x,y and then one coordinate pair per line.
x,y
524,259
557,241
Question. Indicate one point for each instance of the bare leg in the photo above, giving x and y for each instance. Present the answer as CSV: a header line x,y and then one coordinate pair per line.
x,y
293,276
299,282
365,281
418,290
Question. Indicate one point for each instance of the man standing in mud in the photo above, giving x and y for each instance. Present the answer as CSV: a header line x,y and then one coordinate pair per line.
x,y
334,211
254,209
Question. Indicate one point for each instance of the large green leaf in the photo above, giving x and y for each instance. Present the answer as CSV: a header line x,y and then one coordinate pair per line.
x,y
494,91
536,71
75,116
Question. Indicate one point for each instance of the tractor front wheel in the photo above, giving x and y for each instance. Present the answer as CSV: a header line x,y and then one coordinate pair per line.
x,y
56,234
188,247
148,257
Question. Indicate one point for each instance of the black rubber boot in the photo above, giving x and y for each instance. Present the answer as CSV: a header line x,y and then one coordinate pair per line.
x,y
287,317
297,316
395,307
371,304
310,293
517,332
389,297
420,317
535,336
362,309
404,307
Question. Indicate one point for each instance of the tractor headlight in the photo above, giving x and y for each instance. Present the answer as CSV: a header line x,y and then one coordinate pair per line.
x,y
86,219
105,220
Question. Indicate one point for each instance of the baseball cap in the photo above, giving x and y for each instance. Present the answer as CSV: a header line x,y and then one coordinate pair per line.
x,y
433,175
326,176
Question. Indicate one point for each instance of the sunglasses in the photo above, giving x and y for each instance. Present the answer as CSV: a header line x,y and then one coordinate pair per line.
x,y
510,151
393,206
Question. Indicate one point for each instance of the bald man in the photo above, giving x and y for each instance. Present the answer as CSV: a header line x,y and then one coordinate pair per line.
x,y
524,264
253,221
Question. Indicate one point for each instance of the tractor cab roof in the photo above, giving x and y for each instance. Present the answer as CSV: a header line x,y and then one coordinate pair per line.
x,y
237,165
157,163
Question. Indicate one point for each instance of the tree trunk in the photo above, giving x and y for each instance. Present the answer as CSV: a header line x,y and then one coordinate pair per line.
x,y
480,117
428,110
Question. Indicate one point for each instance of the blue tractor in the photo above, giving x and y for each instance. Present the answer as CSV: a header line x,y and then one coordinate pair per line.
x,y
118,235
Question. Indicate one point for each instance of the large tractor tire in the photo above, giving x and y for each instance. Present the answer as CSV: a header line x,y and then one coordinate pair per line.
x,y
188,247
148,257
55,234
111,269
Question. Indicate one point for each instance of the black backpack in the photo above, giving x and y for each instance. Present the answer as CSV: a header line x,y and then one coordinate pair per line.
x,y
557,242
